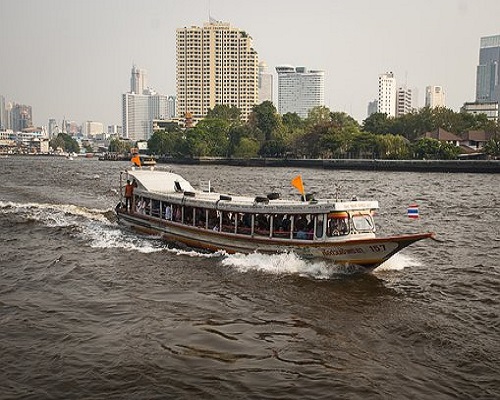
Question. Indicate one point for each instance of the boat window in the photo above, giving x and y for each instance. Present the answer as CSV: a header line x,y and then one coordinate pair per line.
x,y
337,224
319,225
303,226
227,222
281,226
188,215
200,217
213,220
261,225
363,222
156,211
177,213
244,223
167,211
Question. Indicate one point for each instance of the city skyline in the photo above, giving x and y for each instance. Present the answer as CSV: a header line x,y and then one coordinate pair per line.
x,y
72,59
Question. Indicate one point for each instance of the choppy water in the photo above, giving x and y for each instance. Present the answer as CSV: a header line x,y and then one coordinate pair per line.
x,y
88,310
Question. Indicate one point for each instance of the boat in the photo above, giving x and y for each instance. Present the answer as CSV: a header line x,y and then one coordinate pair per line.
x,y
148,161
339,231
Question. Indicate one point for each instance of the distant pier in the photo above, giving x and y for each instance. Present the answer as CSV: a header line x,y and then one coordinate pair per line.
x,y
448,166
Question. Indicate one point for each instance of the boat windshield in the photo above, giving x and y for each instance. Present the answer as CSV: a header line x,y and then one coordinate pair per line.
x,y
363,223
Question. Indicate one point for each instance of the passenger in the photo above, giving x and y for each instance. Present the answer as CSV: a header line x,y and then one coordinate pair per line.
x,y
168,212
141,206
129,194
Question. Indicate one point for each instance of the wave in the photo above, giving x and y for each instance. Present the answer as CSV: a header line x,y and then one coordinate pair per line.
x,y
291,263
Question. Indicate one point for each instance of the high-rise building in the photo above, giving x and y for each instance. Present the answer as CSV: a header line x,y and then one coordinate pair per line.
x,y
216,65
265,83
53,129
299,89
387,94
3,114
435,97
404,103
140,109
372,107
488,70
138,80
21,117
171,104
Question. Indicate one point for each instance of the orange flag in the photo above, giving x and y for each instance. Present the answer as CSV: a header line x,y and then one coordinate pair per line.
x,y
297,183
136,160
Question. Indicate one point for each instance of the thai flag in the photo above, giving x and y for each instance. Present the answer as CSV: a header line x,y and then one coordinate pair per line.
x,y
413,211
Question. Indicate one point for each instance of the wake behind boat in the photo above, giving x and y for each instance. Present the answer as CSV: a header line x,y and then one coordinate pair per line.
x,y
341,231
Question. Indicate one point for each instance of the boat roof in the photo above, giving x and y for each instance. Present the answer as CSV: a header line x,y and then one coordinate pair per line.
x,y
158,181
170,186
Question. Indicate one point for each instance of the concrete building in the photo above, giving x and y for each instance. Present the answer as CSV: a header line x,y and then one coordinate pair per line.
x,y
21,117
489,108
139,110
216,65
404,101
299,89
372,107
92,129
435,97
265,83
387,94
138,80
488,70
3,114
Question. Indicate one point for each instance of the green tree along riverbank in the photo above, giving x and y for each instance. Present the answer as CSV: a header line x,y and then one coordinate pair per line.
x,y
323,134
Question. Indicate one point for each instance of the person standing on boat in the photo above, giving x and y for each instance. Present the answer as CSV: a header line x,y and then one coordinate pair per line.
x,y
129,195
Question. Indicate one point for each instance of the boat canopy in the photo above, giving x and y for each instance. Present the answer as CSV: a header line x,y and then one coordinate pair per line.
x,y
173,186
160,181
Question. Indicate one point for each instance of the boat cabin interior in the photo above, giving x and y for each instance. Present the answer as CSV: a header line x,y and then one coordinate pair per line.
x,y
305,226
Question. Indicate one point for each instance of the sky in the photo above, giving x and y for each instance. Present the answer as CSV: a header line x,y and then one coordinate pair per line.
x,y
72,58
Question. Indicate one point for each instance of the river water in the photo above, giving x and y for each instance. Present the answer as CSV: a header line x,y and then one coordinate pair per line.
x,y
89,310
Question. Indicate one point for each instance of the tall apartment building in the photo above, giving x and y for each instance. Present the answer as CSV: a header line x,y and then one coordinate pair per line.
x,y
435,97
299,89
404,101
265,83
488,70
216,65
387,94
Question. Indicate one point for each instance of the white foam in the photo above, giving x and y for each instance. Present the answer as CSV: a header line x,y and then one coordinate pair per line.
x,y
285,263
398,262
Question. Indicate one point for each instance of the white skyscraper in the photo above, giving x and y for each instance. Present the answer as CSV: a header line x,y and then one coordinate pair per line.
x,y
216,65
387,94
403,101
138,80
139,110
265,83
299,90
434,97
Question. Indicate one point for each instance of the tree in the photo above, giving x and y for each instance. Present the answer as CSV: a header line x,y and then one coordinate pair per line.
x,y
65,142
119,146
266,119
492,147
378,123
225,112
433,149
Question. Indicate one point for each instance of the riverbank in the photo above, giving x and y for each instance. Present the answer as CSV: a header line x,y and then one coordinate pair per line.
x,y
463,166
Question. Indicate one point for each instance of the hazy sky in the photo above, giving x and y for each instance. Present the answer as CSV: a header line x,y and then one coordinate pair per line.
x,y
72,58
